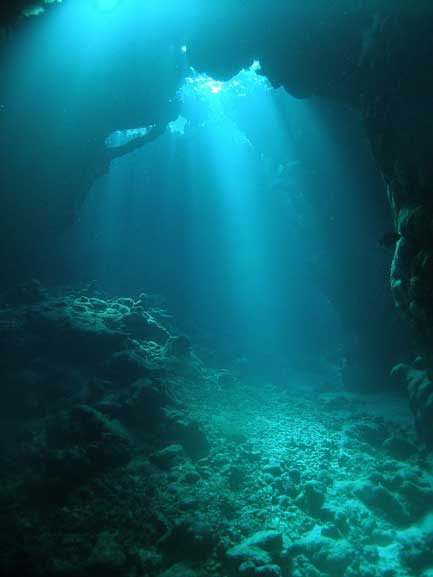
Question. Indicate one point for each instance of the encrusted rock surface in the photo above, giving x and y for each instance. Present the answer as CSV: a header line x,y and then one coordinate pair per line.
x,y
170,472
418,380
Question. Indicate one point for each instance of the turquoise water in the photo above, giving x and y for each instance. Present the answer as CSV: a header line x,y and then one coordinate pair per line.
x,y
197,333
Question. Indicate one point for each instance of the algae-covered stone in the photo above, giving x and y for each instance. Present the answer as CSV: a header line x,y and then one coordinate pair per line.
x,y
269,540
97,304
273,468
263,549
332,557
268,571
312,497
242,553
249,569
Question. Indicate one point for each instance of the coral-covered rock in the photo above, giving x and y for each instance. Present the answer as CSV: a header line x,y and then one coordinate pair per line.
x,y
420,388
260,554
328,556
144,326
179,346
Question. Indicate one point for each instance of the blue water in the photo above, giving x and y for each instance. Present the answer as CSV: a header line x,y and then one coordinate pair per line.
x,y
196,329
232,219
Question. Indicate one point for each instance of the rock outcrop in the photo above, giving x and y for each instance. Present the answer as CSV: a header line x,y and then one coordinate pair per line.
x,y
89,402
148,466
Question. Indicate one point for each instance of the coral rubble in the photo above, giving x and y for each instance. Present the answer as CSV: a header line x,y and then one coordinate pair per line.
x,y
124,455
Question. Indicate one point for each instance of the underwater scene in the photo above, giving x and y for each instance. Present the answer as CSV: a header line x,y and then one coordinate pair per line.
x,y
216,291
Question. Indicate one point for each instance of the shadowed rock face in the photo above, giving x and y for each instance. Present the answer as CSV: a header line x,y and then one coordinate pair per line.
x,y
374,59
372,56
52,138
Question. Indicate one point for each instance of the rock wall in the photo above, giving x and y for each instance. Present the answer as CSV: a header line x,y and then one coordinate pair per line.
x,y
374,57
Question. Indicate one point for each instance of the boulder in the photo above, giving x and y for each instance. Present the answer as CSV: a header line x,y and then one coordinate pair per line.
x,y
329,556
261,554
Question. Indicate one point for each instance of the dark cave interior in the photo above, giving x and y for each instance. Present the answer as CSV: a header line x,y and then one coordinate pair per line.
x,y
73,75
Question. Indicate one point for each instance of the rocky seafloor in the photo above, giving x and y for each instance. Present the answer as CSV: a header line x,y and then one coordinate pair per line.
x,y
123,454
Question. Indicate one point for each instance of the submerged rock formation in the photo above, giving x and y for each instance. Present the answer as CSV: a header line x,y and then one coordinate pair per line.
x,y
88,398
373,57
419,382
123,456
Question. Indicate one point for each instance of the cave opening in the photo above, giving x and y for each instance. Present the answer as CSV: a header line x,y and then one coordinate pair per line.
x,y
215,313
245,228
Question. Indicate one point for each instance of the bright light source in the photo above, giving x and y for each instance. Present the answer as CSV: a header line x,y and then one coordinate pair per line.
x,y
122,137
33,10
107,5
243,83
178,125
184,49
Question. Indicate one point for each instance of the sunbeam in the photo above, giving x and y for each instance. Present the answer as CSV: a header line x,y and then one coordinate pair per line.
x,y
216,320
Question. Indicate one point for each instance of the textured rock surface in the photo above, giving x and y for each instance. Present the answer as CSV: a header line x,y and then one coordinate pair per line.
x,y
87,412
171,474
419,382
